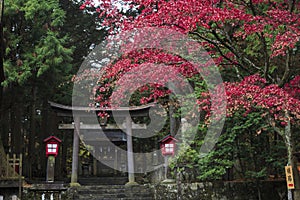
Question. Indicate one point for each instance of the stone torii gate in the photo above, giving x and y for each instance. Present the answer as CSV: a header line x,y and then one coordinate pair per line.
x,y
81,112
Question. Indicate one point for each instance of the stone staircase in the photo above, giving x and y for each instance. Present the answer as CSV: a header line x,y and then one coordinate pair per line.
x,y
103,180
114,192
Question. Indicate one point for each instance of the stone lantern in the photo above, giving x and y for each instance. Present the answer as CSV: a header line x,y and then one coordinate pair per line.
x,y
52,146
168,147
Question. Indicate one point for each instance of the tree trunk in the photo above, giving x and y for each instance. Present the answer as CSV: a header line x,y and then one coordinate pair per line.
x,y
32,134
64,151
16,126
46,131
2,77
292,160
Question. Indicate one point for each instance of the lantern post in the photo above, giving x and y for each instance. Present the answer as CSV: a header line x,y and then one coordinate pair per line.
x,y
167,146
52,146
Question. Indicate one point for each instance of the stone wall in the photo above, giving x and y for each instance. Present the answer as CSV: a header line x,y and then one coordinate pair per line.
x,y
275,190
9,189
234,190
9,193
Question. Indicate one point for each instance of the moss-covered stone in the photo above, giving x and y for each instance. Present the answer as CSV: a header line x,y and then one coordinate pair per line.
x,y
221,191
275,190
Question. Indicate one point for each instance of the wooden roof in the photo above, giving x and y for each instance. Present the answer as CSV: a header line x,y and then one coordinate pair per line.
x,y
52,138
167,137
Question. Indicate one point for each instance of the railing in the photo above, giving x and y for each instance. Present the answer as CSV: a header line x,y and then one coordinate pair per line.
x,y
11,171
11,167
47,191
16,164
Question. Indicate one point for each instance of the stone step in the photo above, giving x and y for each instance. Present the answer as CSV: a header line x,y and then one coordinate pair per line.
x,y
100,187
102,180
114,192
112,198
115,198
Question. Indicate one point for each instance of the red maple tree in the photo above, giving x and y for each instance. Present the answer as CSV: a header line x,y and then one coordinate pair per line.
x,y
254,36
244,38
225,28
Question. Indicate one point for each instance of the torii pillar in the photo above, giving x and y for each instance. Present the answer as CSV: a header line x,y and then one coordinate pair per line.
x,y
130,157
75,155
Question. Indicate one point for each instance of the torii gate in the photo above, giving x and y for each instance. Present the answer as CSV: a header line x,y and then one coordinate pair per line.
x,y
125,112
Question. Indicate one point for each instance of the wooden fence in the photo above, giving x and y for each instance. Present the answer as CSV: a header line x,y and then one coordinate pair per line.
x,y
11,166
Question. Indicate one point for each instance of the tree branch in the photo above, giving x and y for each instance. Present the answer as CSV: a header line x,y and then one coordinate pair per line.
x,y
292,5
264,44
287,69
215,43
241,58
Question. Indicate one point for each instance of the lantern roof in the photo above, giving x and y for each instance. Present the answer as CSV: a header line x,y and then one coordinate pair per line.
x,y
168,137
52,138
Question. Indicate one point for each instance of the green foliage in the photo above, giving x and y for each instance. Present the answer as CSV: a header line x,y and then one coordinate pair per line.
x,y
51,52
45,44
255,151
247,148
34,43
217,162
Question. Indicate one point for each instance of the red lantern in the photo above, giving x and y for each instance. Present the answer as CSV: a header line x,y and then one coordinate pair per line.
x,y
168,145
52,145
